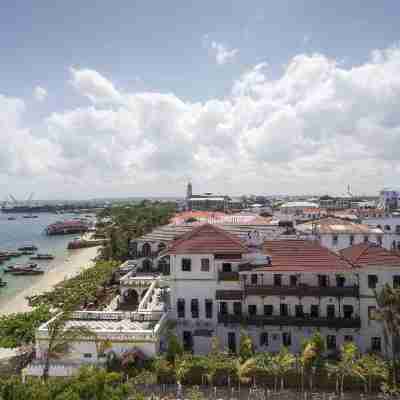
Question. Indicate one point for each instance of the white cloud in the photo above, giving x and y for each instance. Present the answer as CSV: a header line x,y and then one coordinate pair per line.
x,y
93,85
39,93
316,128
222,53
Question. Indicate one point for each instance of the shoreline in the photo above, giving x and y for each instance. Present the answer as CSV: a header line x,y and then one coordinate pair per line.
x,y
77,261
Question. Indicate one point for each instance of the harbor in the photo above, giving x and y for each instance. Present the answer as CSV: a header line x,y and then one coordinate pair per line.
x,y
23,242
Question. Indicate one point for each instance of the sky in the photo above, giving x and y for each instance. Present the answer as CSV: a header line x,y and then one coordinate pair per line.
x,y
135,98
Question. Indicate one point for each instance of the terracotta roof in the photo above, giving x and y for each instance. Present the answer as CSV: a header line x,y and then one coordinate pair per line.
x,y
302,256
207,239
370,254
330,225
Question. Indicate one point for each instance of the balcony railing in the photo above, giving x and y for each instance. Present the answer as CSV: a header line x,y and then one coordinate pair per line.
x,y
228,276
229,295
261,320
314,291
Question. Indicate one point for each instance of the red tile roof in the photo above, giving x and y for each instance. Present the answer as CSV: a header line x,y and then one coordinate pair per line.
x,y
302,256
207,239
370,254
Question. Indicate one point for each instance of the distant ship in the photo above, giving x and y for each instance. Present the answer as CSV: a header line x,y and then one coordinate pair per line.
x,y
27,209
67,227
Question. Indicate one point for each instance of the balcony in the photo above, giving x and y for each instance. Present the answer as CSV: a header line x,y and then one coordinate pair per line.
x,y
302,291
228,276
276,320
229,295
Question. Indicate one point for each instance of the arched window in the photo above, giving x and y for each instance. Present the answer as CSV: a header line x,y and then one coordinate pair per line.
x,y
147,265
146,250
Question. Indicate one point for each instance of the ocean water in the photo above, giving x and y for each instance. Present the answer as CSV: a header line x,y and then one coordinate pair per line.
x,y
20,232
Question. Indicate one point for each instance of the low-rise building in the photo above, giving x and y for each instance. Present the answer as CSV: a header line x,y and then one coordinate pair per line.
x,y
214,283
337,234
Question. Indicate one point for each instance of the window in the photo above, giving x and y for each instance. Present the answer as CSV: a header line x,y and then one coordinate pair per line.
x,y
322,280
299,311
348,311
232,342
252,309
293,280
351,240
237,308
181,308
387,227
284,311
226,267
87,355
397,229
396,281
268,310
205,264
277,279
314,311
372,281
335,240
379,240
254,279
286,339
340,280
209,308
376,344
371,313
331,342
223,308
366,238
187,341
348,338
330,311
264,339
186,264
194,308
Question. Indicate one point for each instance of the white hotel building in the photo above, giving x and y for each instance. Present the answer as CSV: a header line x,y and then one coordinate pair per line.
x,y
214,284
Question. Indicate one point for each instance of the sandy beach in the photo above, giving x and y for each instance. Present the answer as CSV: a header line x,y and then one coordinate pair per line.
x,y
76,261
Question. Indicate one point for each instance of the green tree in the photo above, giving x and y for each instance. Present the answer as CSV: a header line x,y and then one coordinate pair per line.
x,y
174,348
346,367
19,329
60,337
246,350
277,365
368,368
388,300
311,358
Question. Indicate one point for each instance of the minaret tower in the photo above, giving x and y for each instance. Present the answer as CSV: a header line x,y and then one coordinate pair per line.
x,y
189,191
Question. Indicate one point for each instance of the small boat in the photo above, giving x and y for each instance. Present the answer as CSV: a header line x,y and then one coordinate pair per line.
x,y
2,283
27,253
30,216
15,253
42,257
20,267
28,272
28,248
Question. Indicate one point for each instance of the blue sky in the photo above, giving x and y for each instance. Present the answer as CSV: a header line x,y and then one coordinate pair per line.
x,y
173,48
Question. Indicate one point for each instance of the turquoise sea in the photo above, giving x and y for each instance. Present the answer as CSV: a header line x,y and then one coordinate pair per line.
x,y
20,232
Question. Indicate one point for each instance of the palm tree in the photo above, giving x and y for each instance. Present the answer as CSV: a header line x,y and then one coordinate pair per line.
x,y
243,370
370,367
388,301
278,365
61,337
311,358
345,367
